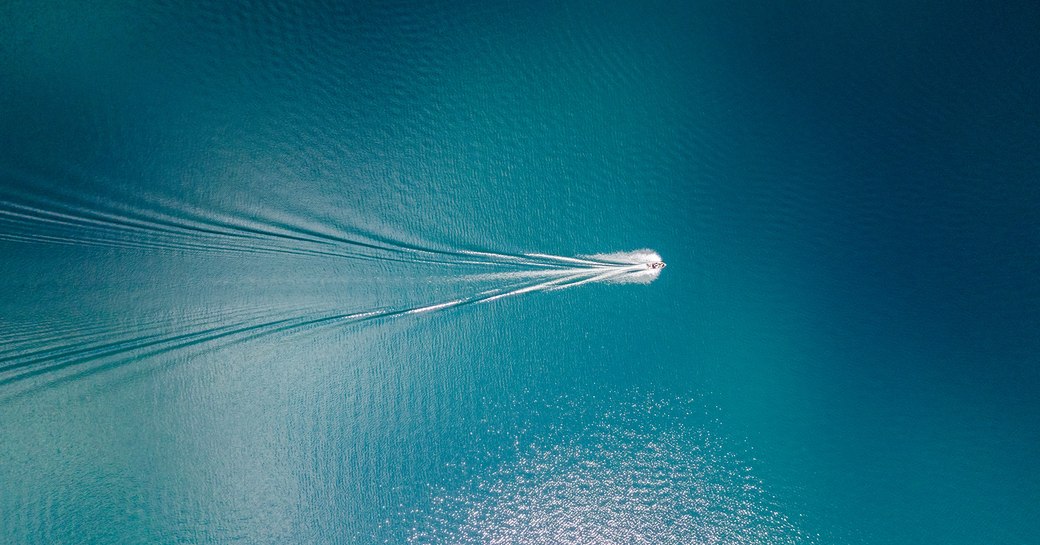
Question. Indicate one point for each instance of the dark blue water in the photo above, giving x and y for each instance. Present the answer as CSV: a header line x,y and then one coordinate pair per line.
x,y
242,299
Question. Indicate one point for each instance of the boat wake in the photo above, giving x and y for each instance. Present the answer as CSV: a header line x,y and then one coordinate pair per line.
x,y
37,352
48,355
635,267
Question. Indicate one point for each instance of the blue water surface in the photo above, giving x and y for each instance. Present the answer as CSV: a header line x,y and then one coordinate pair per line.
x,y
226,228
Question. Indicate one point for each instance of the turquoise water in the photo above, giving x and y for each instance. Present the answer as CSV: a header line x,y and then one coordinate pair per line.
x,y
243,301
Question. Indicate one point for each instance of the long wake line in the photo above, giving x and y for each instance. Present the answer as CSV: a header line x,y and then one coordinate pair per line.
x,y
59,350
70,219
89,350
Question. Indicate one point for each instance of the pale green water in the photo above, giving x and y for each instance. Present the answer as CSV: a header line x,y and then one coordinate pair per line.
x,y
218,224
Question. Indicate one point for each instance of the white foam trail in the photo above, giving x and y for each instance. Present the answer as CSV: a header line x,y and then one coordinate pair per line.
x,y
602,277
614,268
636,273
541,273
438,306
642,276
634,257
543,286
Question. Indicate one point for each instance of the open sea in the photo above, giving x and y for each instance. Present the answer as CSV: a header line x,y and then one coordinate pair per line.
x,y
313,272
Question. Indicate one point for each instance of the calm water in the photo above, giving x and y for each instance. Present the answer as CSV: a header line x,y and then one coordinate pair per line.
x,y
240,300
